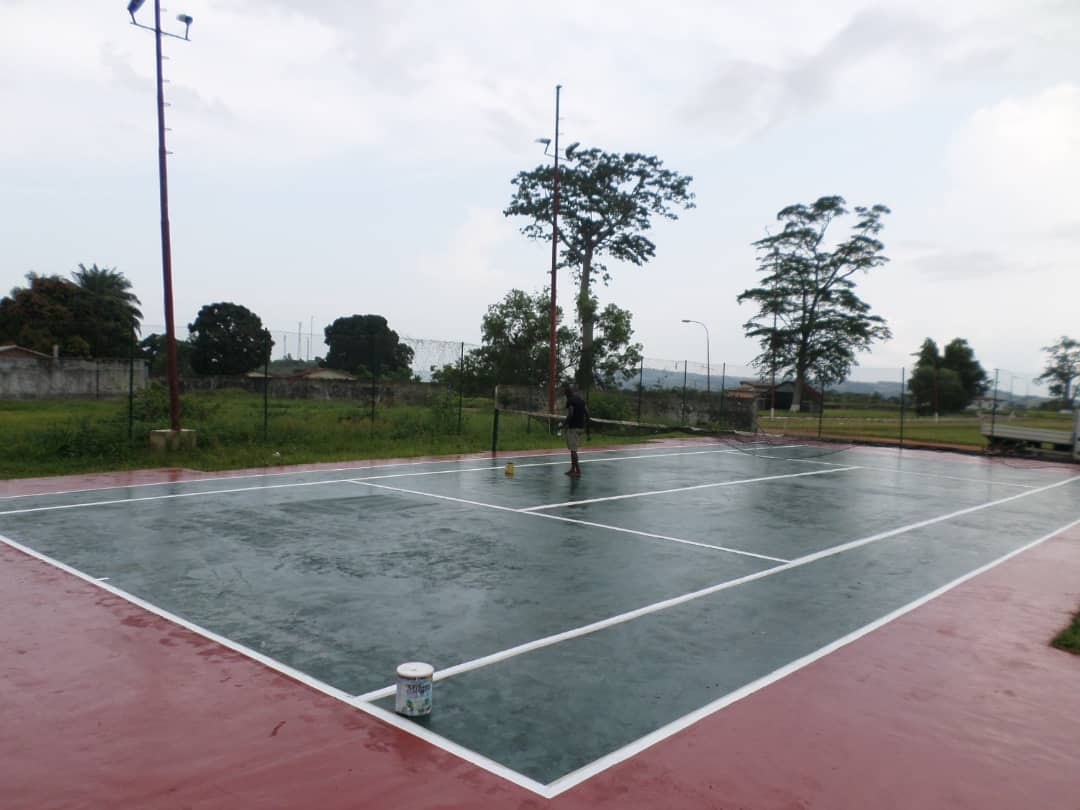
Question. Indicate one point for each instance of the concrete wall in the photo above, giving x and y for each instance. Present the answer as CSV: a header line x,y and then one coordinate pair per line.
x,y
40,378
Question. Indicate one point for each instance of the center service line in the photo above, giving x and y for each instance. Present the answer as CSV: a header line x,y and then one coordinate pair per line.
x,y
575,521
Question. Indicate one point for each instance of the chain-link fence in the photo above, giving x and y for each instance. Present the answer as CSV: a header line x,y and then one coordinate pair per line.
x,y
448,384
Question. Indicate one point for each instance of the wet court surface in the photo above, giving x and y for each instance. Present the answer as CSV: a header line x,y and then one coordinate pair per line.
x,y
580,617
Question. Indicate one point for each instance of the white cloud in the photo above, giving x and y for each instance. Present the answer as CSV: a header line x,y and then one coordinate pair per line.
x,y
1014,167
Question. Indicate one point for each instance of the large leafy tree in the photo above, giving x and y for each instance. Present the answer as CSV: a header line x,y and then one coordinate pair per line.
x,y
615,357
227,338
514,345
111,315
44,313
946,382
606,206
1062,369
152,348
516,337
366,345
96,315
809,322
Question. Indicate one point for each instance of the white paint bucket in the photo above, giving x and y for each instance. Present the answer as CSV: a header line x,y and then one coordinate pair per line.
x,y
414,689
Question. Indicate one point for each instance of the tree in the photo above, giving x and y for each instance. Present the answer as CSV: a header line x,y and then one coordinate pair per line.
x,y
366,345
1062,369
960,358
227,339
516,336
809,322
515,344
949,382
111,317
606,205
615,358
47,312
94,316
152,349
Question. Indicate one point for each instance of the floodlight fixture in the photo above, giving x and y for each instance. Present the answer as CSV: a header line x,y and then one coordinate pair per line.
x,y
186,19
134,6
544,141
570,149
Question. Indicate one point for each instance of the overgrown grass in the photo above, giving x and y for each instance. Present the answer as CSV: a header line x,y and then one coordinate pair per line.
x,y
56,437
1069,638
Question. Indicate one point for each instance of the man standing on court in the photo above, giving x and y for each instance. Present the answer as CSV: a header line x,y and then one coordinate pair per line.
x,y
577,420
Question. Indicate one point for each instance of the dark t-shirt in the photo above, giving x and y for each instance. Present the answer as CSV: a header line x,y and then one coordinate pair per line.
x,y
577,412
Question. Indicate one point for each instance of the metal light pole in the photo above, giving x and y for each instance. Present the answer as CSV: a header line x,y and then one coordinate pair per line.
x,y
166,248
554,247
708,362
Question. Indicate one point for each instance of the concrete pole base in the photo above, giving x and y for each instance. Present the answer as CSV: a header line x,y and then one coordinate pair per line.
x,y
165,440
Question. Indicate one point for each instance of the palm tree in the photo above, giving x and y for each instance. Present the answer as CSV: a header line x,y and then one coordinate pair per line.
x,y
112,314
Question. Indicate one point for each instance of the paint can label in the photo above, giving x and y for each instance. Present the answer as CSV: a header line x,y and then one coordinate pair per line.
x,y
413,693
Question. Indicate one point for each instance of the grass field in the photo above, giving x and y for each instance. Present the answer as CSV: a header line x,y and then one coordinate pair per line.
x,y
877,423
55,437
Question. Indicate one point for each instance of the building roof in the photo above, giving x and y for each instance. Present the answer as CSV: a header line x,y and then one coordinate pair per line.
x,y
11,350
322,374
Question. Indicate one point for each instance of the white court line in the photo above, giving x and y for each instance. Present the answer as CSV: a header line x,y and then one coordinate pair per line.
x,y
238,477
479,760
665,604
172,495
492,465
636,532
684,489
908,472
266,487
347,469
569,780
562,784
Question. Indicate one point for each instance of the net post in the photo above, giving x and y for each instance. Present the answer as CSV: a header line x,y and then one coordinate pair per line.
x,y
495,424
461,387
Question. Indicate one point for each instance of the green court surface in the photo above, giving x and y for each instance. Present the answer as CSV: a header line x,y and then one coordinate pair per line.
x,y
568,620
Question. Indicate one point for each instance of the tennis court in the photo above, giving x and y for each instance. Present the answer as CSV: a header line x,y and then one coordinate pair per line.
x,y
572,623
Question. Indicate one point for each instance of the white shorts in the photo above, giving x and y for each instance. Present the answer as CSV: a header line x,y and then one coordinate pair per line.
x,y
573,439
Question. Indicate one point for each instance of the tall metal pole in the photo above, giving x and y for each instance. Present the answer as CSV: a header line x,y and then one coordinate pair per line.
x,y
554,258
166,244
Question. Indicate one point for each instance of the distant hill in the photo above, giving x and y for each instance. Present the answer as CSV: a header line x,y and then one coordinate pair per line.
x,y
661,378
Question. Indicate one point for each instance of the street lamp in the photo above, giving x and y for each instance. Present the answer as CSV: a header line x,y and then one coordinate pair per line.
x,y
708,364
554,244
166,250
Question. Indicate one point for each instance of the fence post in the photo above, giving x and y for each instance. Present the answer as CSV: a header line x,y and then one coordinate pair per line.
x,y
131,386
723,385
461,387
821,410
993,412
684,412
903,385
495,424
266,393
640,387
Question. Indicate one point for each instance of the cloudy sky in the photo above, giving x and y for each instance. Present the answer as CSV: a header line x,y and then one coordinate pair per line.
x,y
355,156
